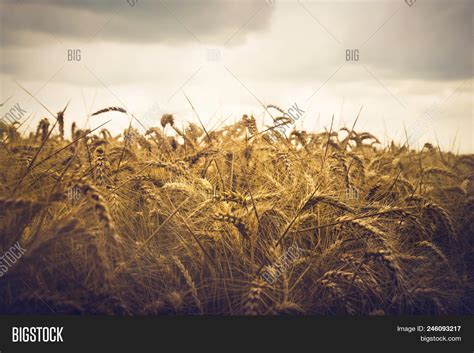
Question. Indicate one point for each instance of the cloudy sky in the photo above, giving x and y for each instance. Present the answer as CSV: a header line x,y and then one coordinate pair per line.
x,y
413,75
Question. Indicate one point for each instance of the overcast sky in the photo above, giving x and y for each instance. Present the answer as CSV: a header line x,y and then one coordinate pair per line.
x,y
414,71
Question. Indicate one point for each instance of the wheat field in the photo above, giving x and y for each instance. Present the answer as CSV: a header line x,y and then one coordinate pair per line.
x,y
235,221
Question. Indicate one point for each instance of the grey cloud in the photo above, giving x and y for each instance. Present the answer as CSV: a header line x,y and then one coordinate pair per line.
x,y
146,21
432,40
